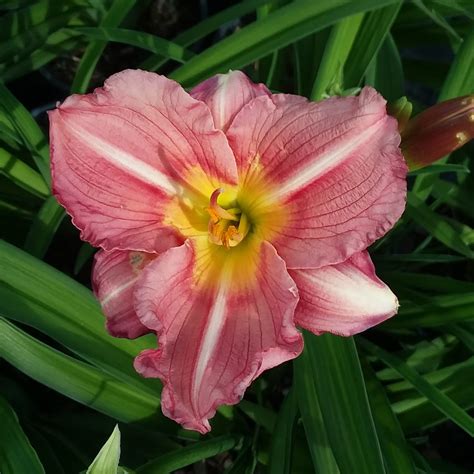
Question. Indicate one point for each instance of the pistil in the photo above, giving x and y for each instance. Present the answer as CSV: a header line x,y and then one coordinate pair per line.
x,y
227,227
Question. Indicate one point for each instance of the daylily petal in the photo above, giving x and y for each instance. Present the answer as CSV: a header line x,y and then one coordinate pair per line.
x,y
332,170
343,299
114,277
218,330
226,94
121,155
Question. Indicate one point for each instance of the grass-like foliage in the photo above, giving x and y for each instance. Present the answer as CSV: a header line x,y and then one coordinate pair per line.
x,y
397,399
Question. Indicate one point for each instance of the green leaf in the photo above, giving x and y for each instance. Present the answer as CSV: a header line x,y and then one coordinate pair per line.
x,y
117,12
282,437
459,82
315,429
419,258
455,196
436,225
337,376
386,71
416,413
282,27
8,133
204,28
16,453
28,129
142,40
370,38
26,19
262,416
22,174
440,310
438,19
8,209
460,79
464,333
75,379
107,461
394,447
440,168
57,44
85,253
43,228
308,53
188,455
444,404
14,4
21,45
38,295
429,283
337,50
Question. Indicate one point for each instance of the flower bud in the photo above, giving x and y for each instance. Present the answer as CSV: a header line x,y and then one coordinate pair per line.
x,y
438,131
401,110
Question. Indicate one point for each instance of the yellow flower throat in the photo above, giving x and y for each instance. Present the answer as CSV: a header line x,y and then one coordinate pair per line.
x,y
227,227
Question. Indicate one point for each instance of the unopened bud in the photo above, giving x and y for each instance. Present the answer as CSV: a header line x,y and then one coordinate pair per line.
x,y
400,109
438,131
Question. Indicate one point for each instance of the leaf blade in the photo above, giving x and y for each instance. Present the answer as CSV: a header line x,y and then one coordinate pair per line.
x,y
16,452
344,404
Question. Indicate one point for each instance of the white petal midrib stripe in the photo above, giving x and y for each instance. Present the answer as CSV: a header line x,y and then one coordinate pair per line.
x,y
214,325
126,162
116,291
323,163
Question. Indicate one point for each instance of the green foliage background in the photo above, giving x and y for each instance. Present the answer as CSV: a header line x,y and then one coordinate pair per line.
x,y
394,400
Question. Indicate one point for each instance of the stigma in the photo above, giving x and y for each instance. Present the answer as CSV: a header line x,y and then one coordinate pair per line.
x,y
227,227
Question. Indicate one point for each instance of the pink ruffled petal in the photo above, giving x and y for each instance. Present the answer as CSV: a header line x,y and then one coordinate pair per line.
x,y
217,330
114,277
226,94
122,154
333,169
343,299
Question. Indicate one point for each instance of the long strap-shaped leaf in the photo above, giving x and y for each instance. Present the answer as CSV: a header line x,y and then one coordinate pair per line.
x,y
416,413
392,440
337,50
73,378
436,225
28,129
140,39
371,35
313,422
204,28
16,453
22,174
282,437
117,12
451,409
459,82
188,455
43,228
43,297
282,27
335,371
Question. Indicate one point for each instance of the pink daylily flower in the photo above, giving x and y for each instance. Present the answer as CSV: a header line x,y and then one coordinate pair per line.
x,y
227,217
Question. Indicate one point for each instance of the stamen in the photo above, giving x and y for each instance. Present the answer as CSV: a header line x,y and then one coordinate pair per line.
x,y
221,229
232,237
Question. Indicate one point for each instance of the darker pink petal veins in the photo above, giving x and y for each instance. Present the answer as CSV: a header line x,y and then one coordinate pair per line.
x,y
227,217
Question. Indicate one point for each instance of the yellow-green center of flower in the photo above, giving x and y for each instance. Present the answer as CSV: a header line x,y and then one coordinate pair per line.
x,y
228,225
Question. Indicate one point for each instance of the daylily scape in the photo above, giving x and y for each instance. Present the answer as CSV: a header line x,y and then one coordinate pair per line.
x,y
226,217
